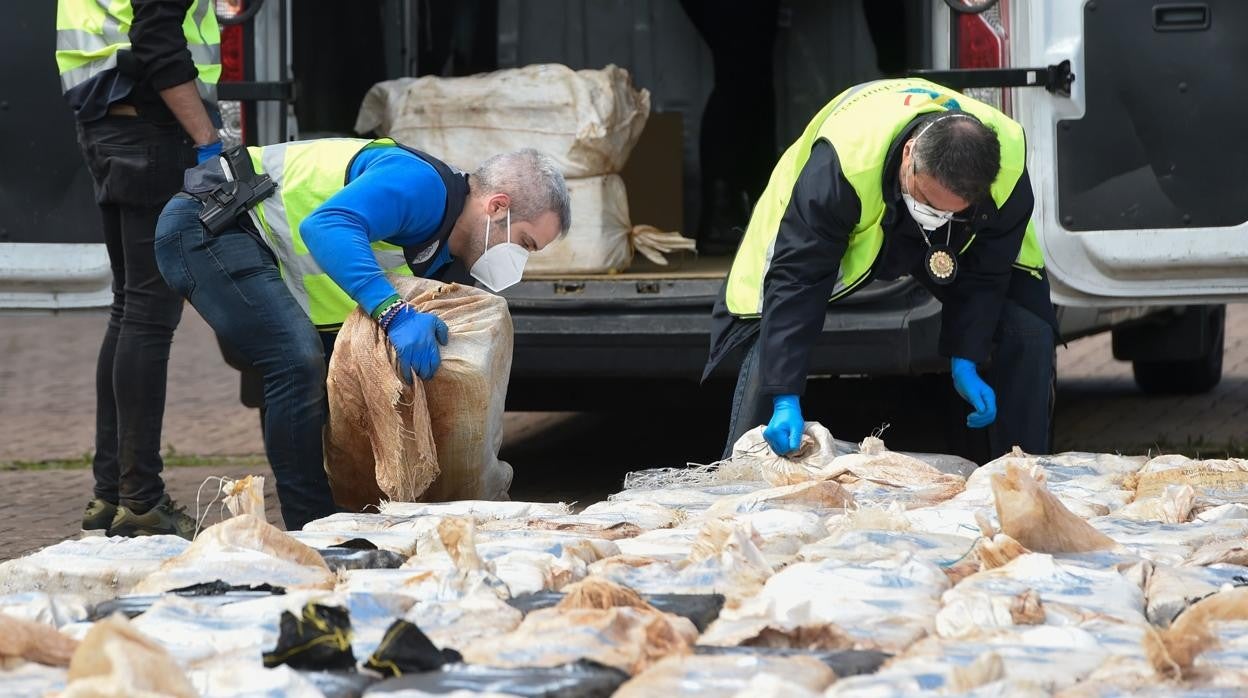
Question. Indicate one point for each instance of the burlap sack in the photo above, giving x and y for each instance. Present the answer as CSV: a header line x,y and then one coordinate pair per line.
x,y
586,120
429,441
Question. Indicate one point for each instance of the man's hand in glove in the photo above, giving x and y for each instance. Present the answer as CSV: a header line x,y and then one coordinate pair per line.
x,y
784,431
975,391
416,337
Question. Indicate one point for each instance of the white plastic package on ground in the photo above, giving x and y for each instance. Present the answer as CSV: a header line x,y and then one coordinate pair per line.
x,y
629,639
55,610
1031,661
1068,591
1168,544
400,542
242,551
478,510
1172,589
94,568
725,675
781,534
941,549
646,516
458,623
728,562
586,120
884,604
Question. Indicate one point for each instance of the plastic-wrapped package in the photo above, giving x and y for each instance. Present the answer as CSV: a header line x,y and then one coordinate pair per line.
x,y
688,499
876,474
1034,517
477,510
116,659
819,496
460,622
724,675
587,120
627,638
576,680
885,604
1172,589
1088,484
1033,661
780,534
24,640
1168,544
436,440
1174,651
1214,482
644,515
940,549
31,679
400,542
55,610
243,550
728,562
95,568
1069,592
1172,505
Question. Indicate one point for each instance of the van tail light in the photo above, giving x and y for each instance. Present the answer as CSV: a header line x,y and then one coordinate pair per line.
x,y
233,114
982,41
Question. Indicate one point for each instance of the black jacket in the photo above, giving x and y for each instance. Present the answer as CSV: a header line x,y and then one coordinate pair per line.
x,y
813,236
157,59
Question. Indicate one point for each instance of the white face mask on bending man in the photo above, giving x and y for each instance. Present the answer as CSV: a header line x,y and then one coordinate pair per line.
x,y
501,266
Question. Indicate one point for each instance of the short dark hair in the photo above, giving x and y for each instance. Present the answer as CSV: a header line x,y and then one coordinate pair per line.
x,y
962,153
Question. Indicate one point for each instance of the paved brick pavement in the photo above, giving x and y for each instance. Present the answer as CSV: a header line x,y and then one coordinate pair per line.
x,y
43,507
1100,409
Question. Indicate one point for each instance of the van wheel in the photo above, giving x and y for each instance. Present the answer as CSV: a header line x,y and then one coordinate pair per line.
x,y
1189,376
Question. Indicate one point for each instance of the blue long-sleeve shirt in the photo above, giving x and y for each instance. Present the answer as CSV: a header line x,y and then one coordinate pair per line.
x,y
392,196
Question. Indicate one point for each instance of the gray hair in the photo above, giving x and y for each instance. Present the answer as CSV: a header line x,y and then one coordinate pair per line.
x,y
532,180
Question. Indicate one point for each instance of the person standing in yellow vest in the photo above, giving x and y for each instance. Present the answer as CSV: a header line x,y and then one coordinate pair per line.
x,y
894,178
140,76
276,245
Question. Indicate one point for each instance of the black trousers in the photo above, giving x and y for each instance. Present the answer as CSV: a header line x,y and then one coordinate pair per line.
x,y
136,166
1021,373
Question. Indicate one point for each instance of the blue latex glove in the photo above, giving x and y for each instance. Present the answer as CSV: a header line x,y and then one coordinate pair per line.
x,y
975,391
784,431
206,152
416,337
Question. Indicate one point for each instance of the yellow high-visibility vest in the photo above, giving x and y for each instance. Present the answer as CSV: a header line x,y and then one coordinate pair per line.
x,y
861,124
89,33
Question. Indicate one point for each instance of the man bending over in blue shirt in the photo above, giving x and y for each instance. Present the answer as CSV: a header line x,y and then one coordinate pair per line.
x,y
278,283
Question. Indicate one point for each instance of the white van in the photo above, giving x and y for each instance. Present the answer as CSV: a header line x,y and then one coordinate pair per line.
x,y
1130,108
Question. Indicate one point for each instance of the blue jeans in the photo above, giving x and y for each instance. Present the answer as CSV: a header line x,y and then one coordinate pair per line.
x,y
233,281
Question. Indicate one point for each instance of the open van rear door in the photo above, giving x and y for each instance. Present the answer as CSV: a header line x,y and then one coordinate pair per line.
x,y
1141,173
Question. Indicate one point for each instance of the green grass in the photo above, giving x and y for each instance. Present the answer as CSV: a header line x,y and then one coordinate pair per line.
x,y
171,457
1195,448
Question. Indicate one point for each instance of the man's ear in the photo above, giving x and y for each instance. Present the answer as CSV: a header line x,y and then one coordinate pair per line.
x,y
496,203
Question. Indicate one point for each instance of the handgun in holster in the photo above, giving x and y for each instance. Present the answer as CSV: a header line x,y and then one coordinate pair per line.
x,y
223,205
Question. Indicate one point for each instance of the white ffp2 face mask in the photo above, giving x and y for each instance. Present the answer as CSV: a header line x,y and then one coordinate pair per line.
x,y
927,217
502,265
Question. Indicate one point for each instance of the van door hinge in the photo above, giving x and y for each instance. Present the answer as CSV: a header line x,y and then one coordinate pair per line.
x,y
1054,78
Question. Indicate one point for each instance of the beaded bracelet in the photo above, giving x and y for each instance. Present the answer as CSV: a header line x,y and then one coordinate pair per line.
x,y
389,314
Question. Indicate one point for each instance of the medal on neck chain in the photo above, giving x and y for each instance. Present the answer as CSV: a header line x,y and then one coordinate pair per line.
x,y
940,261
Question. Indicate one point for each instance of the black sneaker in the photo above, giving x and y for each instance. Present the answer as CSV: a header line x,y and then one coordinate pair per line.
x,y
164,519
98,518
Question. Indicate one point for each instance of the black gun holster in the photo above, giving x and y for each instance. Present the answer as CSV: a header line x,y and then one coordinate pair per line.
x,y
225,204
